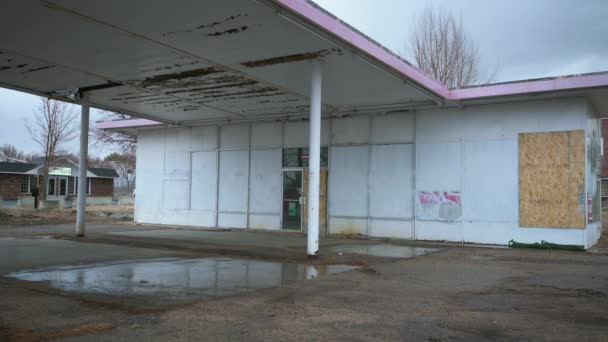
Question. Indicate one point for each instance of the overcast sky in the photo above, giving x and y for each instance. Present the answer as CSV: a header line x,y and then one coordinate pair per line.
x,y
521,39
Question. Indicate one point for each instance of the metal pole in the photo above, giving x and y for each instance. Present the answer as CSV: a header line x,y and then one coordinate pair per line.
x,y
82,166
315,160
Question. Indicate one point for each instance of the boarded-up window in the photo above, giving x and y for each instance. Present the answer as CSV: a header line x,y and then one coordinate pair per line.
x,y
552,180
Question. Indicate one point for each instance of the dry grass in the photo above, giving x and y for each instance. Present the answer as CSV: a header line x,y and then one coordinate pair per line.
x,y
58,216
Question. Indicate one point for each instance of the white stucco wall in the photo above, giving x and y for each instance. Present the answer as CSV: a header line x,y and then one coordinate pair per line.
x,y
379,169
474,151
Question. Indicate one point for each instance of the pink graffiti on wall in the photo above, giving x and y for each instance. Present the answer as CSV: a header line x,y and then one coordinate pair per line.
x,y
439,205
438,197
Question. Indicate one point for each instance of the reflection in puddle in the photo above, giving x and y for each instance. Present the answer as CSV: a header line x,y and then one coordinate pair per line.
x,y
205,277
384,250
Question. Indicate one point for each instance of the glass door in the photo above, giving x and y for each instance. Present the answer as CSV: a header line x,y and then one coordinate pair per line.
x,y
51,187
292,199
62,186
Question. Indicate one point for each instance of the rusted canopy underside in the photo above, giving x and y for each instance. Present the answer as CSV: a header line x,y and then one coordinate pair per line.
x,y
190,61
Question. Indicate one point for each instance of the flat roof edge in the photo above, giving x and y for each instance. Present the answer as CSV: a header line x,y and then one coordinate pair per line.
x,y
542,85
324,20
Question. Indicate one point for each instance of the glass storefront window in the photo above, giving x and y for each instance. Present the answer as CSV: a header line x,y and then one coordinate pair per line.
x,y
299,156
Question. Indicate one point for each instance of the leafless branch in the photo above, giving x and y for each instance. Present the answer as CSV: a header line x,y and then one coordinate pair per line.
x,y
442,49
54,124
11,152
126,143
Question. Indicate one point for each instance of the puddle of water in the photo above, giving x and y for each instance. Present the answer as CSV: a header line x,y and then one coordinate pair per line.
x,y
384,250
177,278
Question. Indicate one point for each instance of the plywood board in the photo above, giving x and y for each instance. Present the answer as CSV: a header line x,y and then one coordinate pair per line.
x,y
552,179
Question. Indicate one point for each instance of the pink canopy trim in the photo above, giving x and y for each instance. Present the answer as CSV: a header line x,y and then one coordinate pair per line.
x,y
356,39
531,86
339,29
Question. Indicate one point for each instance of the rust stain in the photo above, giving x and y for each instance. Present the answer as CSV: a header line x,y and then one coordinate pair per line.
x,y
205,26
208,90
189,108
237,94
277,93
169,67
290,58
229,31
287,101
159,79
208,85
164,103
137,97
40,68
218,78
157,98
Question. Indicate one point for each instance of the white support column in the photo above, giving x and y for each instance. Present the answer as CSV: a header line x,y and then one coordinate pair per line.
x,y
82,166
315,160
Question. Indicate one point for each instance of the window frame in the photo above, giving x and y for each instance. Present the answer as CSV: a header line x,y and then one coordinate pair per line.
x,y
29,184
302,161
75,186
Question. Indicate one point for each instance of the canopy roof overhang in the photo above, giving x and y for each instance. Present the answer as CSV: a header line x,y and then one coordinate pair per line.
x,y
194,61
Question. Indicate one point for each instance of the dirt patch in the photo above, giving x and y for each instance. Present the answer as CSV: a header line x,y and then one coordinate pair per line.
x,y
111,208
603,242
24,335
60,216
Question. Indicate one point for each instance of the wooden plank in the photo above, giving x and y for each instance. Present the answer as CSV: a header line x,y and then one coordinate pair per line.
x,y
552,179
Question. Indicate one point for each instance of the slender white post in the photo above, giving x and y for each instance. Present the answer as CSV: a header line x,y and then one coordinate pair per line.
x,y
315,160
82,166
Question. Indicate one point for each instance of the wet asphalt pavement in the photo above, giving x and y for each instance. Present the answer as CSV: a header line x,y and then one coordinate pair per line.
x,y
130,283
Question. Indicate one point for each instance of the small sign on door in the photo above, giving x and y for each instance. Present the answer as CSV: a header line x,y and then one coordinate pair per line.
x,y
293,210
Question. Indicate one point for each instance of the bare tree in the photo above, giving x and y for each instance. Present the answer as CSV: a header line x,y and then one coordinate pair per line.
x,y
124,142
55,123
442,49
124,164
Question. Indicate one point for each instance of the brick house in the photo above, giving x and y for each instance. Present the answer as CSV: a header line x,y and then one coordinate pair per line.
x,y
18,179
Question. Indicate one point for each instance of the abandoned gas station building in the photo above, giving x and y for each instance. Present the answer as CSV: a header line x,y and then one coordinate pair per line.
x,y
275,115
435,174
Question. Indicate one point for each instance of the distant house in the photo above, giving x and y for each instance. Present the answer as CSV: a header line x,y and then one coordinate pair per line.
x,y
5,158
125,182
18,179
